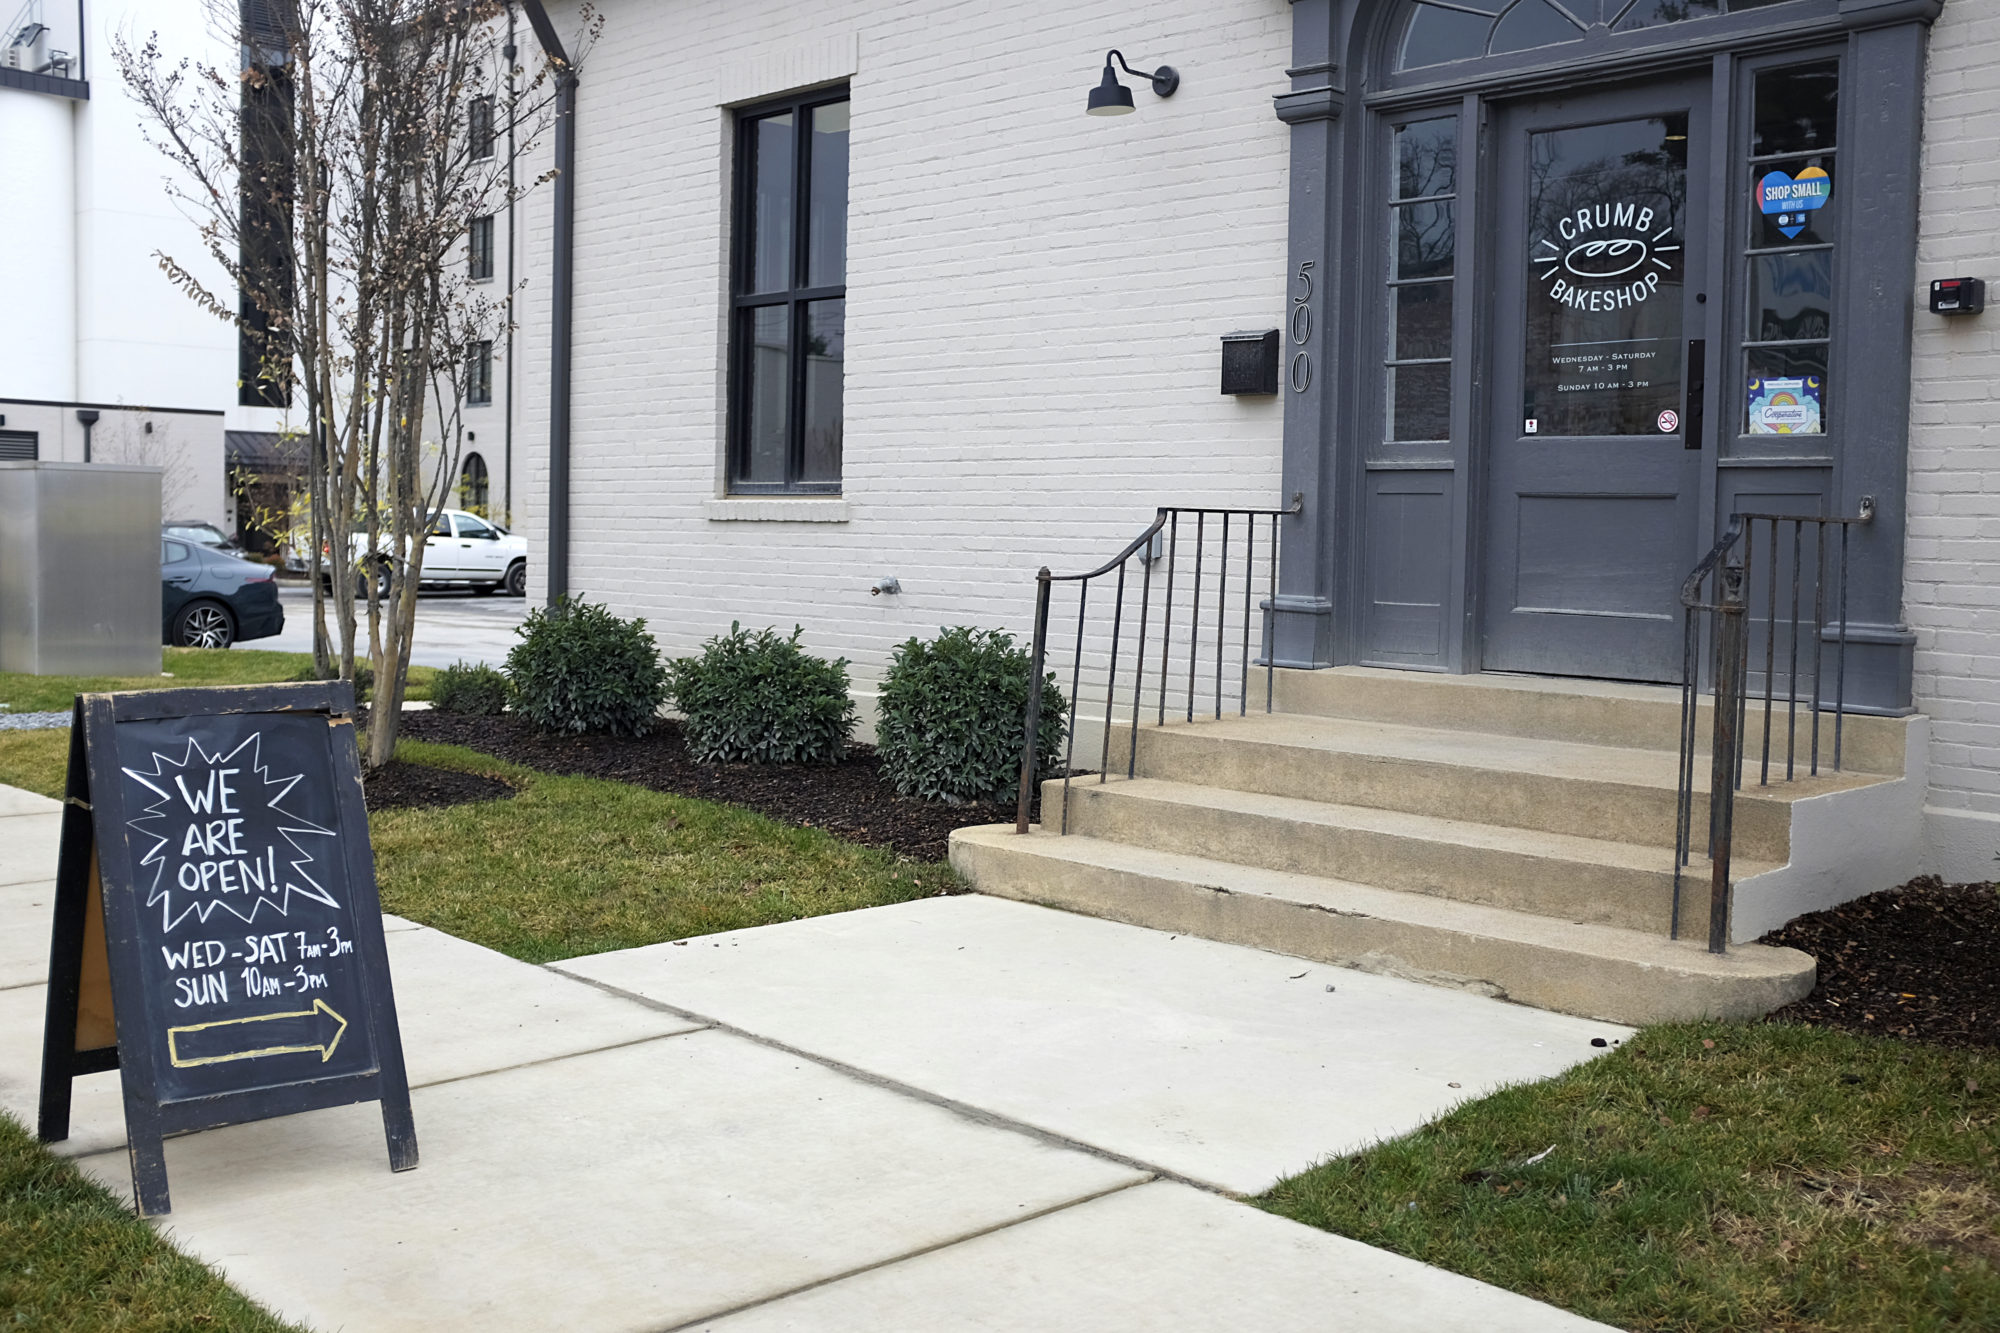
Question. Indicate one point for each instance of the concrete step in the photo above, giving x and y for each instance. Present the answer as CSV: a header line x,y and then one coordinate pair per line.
x,y
1558,875
1553,786
1597,971
1593,712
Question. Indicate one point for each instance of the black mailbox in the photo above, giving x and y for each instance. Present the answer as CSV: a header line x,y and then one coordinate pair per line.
x,y
1958,296
1250,362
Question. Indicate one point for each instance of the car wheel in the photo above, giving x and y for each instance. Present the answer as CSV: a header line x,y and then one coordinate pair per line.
x,y
517,579
204,625
382,580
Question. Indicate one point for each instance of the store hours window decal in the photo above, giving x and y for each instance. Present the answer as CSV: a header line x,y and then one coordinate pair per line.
x,y
1606,209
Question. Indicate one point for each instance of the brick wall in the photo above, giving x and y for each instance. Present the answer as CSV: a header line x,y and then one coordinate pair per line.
x,y
1035,302
1952,571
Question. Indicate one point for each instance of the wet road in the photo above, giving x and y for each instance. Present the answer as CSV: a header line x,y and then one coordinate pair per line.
x,y
452,626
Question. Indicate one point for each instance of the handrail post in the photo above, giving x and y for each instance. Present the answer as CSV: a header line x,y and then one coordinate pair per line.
x,y
1033,727
1729,683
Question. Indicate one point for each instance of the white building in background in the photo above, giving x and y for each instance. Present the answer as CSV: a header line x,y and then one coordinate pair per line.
x,y
100,356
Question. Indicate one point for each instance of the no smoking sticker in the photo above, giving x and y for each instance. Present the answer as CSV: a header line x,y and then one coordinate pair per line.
x,y
1670,421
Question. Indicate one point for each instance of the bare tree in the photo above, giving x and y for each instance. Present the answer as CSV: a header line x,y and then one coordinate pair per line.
x,y
335,176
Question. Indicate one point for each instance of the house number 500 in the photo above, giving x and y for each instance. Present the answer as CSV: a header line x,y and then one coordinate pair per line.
x,y
1302,328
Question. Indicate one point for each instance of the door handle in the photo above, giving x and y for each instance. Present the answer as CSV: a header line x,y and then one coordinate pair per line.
x,y
1692,415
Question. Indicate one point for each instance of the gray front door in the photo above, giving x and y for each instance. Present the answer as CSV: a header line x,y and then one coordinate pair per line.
x,y
1592,490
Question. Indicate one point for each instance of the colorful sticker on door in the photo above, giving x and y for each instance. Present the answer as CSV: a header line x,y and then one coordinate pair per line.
x,y
1785,406
1787,199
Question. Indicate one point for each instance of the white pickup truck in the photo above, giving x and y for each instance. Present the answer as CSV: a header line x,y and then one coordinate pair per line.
x,y
464,550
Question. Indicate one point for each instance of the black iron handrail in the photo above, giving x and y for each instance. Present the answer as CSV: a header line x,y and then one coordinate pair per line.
x,y
1160,540
1718,594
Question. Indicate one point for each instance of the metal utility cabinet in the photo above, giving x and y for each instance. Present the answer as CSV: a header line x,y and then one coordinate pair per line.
x,y
79,569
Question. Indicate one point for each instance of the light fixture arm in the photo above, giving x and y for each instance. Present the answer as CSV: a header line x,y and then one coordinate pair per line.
x,y
1165,79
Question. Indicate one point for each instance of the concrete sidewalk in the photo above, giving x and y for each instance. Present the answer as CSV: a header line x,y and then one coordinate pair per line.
x,y
951,1114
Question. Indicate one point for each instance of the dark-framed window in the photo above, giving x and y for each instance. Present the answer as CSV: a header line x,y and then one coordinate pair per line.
x,y
1789,258
479,126
479,373
473,484
788,328
479,247
1421,271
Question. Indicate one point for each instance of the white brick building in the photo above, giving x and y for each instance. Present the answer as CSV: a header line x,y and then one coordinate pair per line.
x,y
1952,576
1034,302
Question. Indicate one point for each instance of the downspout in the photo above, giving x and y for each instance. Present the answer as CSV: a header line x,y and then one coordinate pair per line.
x,y
560,296
507,431
88,416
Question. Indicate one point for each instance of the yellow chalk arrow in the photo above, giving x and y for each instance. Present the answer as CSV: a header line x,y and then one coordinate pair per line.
x,y
229,1039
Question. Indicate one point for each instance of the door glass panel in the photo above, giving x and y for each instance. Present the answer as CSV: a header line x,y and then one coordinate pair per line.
x,y
826,339
1420,321
1425,240
1427,159
1790,202
769,379
1606,206
1423,250
1794,216
1796,108
1791,296
1786,390
771,204
1420,402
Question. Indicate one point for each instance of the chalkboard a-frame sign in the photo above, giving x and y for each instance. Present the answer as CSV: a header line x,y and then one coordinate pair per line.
x,y
217,936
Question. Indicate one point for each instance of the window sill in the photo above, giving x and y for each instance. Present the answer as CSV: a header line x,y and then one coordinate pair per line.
x,y
776,509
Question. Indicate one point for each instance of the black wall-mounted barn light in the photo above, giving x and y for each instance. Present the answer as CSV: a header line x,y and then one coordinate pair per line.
x,y
1112,98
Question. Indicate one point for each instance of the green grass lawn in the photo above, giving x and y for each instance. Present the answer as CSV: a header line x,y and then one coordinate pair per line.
x,y
580,865
183,667
36,760
572,866
1716,1178
73,1259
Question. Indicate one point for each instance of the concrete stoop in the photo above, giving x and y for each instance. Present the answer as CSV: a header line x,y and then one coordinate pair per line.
x,y
1507,835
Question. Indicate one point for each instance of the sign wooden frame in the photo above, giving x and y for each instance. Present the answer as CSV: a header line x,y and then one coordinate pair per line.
x,y
101,1017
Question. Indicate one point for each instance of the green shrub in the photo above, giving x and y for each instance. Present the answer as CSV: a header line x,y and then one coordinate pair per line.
x,y
762,698
579,668
476,690
951,717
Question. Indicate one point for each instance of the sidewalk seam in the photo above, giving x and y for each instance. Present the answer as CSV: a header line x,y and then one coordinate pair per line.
x,y
816,1283
965,1110
552,1059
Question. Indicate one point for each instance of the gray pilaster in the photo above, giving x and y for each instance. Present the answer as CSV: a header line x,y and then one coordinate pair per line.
x,y
1883,93
1302,613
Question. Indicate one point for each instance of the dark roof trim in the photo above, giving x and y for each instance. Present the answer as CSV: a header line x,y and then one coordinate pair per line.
x,y
78,89
264,448
117,407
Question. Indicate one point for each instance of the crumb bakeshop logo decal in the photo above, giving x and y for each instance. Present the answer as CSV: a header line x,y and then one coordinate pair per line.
x,y
1604,256
221,838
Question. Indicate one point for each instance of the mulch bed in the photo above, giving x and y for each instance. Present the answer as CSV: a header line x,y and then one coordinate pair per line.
x,y
1920,962
400,786
847,799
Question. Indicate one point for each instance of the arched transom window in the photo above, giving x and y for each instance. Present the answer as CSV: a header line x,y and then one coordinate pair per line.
x,y
1442,32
